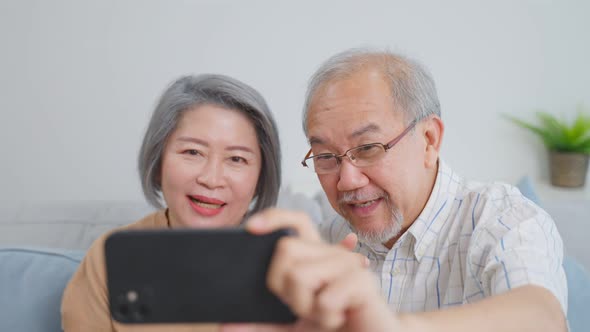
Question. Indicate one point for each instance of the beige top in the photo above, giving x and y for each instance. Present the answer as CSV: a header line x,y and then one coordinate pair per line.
x,y
85,305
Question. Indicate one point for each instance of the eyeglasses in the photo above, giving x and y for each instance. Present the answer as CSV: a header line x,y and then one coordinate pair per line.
x,y
360,156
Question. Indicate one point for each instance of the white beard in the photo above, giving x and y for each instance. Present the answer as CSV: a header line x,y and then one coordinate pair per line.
x,y
391,229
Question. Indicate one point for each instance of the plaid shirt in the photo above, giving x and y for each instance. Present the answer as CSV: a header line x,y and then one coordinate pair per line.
x,y
471,241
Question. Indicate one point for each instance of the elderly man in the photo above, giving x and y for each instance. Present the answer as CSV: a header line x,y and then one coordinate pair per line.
x,y
449,254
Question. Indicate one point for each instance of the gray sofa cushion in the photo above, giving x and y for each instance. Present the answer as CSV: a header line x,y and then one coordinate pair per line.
x,y
32,281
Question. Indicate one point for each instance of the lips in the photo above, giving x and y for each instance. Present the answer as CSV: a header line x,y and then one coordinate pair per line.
x,y
206,206
206,200
363,204
364,208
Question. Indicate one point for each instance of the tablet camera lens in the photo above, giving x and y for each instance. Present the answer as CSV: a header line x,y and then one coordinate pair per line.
x,y
132,296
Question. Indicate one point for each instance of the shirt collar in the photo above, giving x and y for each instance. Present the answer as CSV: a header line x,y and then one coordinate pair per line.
x,y
426,228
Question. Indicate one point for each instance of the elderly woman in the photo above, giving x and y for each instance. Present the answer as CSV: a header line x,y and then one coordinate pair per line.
x,y
210,157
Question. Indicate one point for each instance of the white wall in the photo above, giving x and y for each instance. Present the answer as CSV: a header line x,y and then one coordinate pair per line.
x,y
78,79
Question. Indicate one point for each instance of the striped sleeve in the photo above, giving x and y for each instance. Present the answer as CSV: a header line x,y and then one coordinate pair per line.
x,y
519,247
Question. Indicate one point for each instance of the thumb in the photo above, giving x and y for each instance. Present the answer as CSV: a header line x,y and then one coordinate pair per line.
x,y
349,242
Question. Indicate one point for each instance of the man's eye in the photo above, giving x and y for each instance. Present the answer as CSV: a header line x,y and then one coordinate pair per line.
x,y
324,157
367,148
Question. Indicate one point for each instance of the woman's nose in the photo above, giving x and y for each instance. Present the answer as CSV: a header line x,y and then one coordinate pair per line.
x,y
211,175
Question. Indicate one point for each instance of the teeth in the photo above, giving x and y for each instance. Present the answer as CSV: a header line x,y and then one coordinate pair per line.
x,y
206,205
365,203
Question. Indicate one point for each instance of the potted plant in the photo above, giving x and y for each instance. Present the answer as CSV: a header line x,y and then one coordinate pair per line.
x,y
568,145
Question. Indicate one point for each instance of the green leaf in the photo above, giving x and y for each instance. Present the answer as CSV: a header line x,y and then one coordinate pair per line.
x,y
583,146
557,134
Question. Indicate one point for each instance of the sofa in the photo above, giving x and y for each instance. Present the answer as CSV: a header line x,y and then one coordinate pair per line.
x,y
42,243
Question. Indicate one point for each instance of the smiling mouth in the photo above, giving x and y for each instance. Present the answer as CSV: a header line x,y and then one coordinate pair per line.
x,y
206,205
364,204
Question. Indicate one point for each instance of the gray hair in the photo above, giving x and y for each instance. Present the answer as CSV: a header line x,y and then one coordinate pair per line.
x,y
412,87
185,94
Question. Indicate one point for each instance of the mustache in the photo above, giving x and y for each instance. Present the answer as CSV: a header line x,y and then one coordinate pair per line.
x,y
360,195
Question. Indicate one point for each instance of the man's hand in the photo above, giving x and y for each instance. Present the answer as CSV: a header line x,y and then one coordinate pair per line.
x,y
327,286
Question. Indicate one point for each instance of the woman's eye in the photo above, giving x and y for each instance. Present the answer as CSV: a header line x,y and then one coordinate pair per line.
x,y
237,159
192,152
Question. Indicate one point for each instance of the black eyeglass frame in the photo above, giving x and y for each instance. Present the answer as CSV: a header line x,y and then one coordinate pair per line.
x,y
385,147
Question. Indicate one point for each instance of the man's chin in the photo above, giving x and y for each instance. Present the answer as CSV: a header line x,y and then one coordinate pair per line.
x,y
371,222
375,233
364,226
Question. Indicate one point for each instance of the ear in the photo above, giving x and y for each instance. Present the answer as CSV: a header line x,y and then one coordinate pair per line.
x,y
433,130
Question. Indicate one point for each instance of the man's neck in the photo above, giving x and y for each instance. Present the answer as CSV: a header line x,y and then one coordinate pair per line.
x,y
430,180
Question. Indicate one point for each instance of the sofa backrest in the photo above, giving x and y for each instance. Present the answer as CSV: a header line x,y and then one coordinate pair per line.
x,y
65,224
76,224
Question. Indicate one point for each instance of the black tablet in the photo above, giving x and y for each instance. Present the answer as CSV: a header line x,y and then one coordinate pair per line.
x,y
182,276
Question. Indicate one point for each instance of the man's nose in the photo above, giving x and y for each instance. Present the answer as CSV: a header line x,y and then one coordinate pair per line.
x,y
211,175
350,176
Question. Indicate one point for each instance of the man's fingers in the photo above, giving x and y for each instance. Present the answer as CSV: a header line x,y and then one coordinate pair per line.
x,y
296,281
349,242
273,219
290,251
307,326
255,328
344,295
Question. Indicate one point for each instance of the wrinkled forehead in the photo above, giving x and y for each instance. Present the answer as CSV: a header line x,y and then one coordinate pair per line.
x,y
352,126
351,117
350,133
363,92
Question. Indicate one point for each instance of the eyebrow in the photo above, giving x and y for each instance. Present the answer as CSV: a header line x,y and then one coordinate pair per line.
x,y
204,143
371,127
